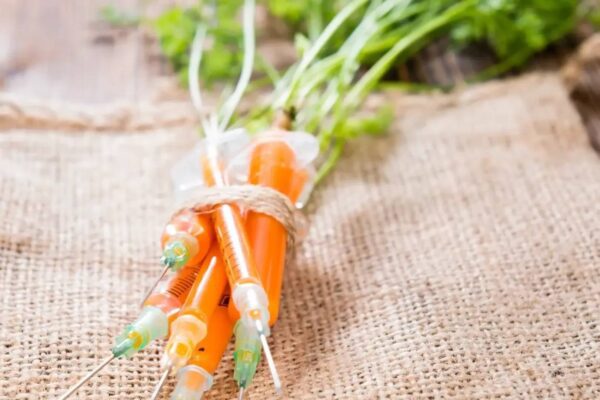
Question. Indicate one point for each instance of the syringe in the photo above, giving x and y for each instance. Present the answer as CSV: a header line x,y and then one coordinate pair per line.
x,y
191,325
272,164
248,344
153,322
197,376
248,294
194,379
277,160
185,241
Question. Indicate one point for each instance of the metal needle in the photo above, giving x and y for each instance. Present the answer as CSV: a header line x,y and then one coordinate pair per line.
x,y
269,356
163,273
86,378
160,384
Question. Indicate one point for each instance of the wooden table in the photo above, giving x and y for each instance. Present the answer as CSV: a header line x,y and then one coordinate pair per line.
x,y
59,49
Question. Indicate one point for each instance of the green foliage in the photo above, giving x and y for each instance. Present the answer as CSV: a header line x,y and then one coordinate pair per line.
x,y
591,13
371,125
328,90
176,25
594,18
517,29
514,29
118,18
175,30
293,11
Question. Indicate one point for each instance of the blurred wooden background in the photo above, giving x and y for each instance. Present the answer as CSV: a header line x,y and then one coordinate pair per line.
x,y
61,50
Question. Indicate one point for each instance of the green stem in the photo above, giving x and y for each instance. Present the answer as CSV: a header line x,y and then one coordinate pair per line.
x,y
271,72
375,21
362,88
370,79
259,83
323,70
327,166
411,87
502,67
315,19
313,52
386,42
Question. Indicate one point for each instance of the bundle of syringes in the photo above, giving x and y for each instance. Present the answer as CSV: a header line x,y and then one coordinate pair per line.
x,y
226,253
211,255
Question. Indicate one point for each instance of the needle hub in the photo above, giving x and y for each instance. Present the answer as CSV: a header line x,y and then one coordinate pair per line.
x,y
151,324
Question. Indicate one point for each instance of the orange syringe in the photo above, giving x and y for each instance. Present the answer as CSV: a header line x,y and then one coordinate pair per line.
x,y
185,241
191,325
197,376
247,292
273,163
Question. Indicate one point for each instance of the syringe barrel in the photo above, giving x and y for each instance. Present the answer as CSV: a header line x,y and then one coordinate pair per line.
x,y
172,291
186,238
234,245
195,378
272,164
229,229
206,292
159,311
212,169
191,325
220,329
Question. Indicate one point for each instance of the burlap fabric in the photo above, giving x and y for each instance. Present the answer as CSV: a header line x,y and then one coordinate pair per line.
x,y
455,258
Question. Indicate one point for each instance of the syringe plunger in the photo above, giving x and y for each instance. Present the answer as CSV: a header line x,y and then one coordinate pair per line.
x,y
188,330
192,382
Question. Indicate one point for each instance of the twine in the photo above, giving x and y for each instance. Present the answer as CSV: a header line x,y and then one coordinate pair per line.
x,y
254,198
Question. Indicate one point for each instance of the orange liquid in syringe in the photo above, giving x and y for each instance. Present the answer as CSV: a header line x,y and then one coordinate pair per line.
x,y
171,294
229,228
272,164
204,296
211,349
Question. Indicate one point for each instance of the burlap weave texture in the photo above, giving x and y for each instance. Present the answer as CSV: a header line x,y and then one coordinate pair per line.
x,y
456,258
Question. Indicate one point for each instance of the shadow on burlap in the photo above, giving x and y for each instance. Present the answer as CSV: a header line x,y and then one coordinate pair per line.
x,y
455,258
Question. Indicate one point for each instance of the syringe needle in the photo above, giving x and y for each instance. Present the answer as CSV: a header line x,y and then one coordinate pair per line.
x,y
160,384
86,378
269,356
241,396
155,284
